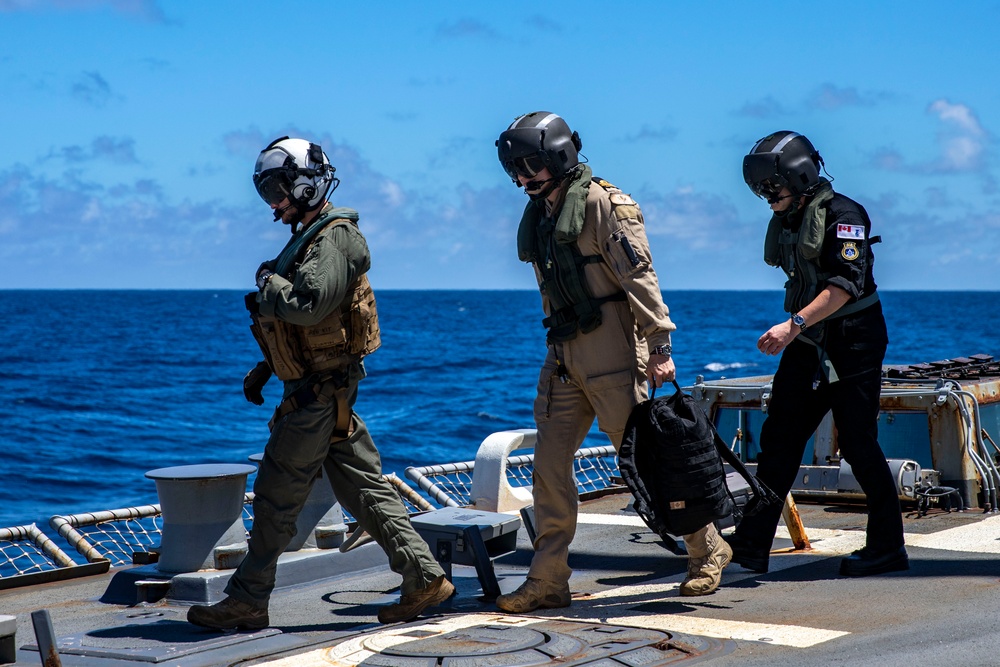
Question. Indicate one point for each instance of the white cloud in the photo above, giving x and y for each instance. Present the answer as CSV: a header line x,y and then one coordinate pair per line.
x,y
700,220
961,138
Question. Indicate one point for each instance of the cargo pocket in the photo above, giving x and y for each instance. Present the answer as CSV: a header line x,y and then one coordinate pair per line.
x,y
613,396
543,397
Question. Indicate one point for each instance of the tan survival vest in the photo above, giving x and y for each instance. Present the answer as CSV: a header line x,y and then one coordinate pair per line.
x,y
348,333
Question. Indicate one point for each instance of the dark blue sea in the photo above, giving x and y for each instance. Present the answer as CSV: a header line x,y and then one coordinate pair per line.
x,y
98,387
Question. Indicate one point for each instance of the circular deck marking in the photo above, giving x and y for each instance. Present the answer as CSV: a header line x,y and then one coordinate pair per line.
x,y
473,640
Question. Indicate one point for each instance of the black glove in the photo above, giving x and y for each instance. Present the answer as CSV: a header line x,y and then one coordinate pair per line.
x,y
255,381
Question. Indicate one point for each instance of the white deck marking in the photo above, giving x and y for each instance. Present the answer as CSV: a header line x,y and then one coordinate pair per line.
x,y
611,600
795,636
611,520
980,537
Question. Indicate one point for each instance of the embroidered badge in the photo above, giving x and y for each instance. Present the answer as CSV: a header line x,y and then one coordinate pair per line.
x,y
850,251
850,231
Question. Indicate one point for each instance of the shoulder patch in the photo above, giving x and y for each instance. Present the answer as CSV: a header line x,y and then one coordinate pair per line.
x,y
850,231
850,251
620,198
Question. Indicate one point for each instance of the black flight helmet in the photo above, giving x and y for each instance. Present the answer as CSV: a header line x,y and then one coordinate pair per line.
x,y
535,141
782,159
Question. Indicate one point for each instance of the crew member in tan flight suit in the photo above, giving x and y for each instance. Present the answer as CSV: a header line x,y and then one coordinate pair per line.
x,y
314,318
608,332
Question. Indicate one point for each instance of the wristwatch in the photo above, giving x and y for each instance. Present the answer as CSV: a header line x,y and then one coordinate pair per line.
x,y
799,320
663,350
263,278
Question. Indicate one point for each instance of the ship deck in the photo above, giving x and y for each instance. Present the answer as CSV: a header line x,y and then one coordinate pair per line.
x,y
801,612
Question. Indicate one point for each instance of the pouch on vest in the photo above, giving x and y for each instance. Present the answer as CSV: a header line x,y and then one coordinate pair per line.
x,y
671,458
278,342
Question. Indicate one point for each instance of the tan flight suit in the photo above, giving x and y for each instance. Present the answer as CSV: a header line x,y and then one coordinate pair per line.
x,y
605,376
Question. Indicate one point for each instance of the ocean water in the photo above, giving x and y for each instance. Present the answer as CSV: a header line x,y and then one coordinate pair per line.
x,y
98,387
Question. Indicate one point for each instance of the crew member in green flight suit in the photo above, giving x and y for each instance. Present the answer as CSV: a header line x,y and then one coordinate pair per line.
x,y
608,333
315,320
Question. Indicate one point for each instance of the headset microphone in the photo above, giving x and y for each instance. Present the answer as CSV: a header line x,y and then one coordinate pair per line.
x,y
278,212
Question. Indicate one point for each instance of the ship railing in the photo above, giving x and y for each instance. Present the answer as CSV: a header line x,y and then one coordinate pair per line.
x,y
28,556
122,536
131,535
452,484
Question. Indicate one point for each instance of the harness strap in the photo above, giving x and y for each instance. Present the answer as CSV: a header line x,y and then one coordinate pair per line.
x,y
855,307
324,391
574,311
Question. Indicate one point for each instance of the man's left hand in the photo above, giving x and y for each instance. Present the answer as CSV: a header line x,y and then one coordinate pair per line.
x,y
660,369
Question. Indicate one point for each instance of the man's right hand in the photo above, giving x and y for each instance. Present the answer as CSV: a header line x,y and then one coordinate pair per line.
x,y
254,382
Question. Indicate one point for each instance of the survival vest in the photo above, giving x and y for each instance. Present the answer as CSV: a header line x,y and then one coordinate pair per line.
x,y
551,245
797,253
671,459
348,333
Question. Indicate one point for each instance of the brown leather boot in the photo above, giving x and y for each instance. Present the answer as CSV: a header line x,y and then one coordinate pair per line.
x,y
705,573
229,614
534,594
413,604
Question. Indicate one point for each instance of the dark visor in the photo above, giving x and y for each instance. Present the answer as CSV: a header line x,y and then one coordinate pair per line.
x,y
760,171
272,185
528,166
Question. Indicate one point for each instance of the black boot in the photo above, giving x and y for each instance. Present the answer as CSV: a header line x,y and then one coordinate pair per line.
x,y
229,614
867,561
747,555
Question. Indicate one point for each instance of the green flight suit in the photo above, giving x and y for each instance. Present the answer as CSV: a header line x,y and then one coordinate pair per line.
x,y
301,440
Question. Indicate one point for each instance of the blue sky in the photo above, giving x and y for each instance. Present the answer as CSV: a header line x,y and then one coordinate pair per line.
x,y
130,129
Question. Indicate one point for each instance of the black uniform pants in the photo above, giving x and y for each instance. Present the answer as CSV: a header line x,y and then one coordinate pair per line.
x,y
856,347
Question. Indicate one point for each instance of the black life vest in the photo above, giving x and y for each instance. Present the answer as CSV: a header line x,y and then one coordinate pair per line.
x,y
671,458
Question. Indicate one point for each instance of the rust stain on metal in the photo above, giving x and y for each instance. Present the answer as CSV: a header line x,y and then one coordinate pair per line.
x,y
52,658
793,521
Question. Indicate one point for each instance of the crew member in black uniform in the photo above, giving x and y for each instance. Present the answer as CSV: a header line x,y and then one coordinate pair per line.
x,y
831,347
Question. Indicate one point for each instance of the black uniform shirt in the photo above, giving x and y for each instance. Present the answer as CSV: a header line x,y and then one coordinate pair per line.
x,y
847,254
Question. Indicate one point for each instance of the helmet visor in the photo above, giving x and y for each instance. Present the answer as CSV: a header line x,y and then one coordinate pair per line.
x,y
760,171
527,166
273,185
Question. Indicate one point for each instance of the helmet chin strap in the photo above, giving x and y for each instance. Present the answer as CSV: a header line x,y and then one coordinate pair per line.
x,y
547,185
294,222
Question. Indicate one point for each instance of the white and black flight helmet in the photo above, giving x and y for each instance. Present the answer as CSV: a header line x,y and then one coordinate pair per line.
x,y
535,141
782,159
296,169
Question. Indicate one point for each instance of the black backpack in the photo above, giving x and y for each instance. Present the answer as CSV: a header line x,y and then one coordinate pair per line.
x,y
671,458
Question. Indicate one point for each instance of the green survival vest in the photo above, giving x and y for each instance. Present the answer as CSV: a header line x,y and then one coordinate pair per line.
x,y
551,245
797,252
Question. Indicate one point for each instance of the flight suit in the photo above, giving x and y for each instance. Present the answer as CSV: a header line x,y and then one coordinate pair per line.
x,y
596,374
303,440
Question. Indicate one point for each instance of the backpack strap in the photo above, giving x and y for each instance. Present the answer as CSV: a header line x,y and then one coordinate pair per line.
x,y
762,495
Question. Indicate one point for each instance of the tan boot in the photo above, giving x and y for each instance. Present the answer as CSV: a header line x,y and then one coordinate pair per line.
x,y
413,604
534,594
229,614
705,573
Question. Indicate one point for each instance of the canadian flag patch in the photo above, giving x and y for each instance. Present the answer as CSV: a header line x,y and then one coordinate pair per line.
x,y
850,231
